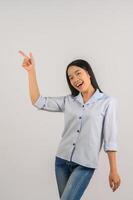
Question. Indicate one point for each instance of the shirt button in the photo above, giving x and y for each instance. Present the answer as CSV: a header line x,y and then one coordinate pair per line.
x,y
80,117
77,130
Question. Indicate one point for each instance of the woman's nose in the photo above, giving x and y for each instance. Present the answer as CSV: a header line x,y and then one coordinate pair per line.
x,y
75,79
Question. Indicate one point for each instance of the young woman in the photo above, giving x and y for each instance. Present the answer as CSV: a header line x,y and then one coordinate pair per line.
x,y
90,120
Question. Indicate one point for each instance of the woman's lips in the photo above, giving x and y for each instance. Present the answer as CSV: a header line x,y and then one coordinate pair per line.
x,y
80,86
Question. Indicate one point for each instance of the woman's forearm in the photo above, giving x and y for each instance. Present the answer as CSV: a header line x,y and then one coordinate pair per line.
x,y
33,86
112,161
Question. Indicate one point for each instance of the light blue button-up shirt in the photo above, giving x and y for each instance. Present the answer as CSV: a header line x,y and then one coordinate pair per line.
x,y
86,125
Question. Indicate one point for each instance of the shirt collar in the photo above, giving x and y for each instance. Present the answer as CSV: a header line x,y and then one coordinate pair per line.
x,y
96,95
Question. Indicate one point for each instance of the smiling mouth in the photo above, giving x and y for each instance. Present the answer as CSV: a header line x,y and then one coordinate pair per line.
x,y
80,85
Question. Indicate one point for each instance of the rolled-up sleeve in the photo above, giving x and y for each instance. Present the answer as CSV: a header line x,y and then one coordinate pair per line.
x,y
53,104
110,129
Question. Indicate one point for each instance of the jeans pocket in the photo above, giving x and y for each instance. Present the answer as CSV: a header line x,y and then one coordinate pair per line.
x,y
59,161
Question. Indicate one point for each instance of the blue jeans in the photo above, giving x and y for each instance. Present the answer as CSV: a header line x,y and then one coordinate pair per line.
x,y
72,178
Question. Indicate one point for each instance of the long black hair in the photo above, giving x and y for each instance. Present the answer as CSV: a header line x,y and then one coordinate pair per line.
x,y
86,66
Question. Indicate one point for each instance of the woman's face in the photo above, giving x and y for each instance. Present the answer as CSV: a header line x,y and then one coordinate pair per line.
x,y
79,78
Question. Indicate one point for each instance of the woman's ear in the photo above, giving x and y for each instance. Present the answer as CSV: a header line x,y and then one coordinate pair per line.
x,y
88,75
87,72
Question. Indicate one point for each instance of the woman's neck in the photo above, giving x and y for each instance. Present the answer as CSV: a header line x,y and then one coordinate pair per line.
x,y
88,93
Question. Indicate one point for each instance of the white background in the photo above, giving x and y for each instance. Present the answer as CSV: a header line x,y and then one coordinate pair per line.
x,y
57,32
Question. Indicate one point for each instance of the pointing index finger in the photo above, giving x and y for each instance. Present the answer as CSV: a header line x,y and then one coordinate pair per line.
x,y
23,54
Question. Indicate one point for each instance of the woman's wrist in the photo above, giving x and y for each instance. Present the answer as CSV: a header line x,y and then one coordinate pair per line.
x,y
32,71
113,170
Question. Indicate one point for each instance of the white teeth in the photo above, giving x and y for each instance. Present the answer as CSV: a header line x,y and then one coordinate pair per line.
x,y
79,84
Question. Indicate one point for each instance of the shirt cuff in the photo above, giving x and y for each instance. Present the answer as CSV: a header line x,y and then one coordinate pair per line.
x,y
40,103
110,147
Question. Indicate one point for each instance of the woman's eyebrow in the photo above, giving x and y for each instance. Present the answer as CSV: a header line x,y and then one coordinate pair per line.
x,y
74,72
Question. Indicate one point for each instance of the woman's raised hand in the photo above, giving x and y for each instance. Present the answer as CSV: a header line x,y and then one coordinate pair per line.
x,y
28,62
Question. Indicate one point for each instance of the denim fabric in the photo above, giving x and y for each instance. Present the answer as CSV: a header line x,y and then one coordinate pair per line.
x,y
72,178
